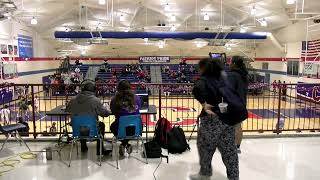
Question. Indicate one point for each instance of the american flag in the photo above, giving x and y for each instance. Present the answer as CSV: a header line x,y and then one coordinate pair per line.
x,y
310,50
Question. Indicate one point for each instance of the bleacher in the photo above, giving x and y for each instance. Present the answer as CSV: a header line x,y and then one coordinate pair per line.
x,y
83,68
190,77
105,76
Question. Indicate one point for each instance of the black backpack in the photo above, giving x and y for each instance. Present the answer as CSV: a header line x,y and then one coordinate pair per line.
x,y
237,111
163,126
153,150
177,142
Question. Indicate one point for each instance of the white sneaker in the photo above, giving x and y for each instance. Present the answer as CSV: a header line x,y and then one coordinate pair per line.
x,y
199,177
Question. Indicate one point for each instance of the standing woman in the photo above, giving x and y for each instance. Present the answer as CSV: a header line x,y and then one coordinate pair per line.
x,y
238,78
124,103
213,132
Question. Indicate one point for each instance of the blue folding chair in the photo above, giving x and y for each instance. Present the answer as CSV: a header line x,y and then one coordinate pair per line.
x,y
85,121
13,129
133,121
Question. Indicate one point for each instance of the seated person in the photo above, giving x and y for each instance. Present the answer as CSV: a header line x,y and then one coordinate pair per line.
x,y
124,103
86,103
78,63
183,62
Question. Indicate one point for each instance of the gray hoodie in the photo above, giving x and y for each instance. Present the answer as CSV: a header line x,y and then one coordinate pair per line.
x,y
86,103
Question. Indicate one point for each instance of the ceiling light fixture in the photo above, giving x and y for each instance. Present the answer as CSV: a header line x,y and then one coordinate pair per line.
x,y
198,45
173,18
242,30
67,29
206,17
83,52
161,44
167,7
121,18
290,2
253,11
173,28
263,22
126,29
102,2
34,21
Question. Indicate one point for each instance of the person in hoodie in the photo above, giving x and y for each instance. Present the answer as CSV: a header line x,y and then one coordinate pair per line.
x,y
86,103
238,78
124,103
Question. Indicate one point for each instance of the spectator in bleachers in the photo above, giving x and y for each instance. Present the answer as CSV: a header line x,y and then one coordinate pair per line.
x,y
78,63
24,109
5,115
192,69
124,103
274,86
183,62
183,78
77,70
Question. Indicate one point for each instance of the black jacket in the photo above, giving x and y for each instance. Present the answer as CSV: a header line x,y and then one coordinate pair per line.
x,y
205,92
238,79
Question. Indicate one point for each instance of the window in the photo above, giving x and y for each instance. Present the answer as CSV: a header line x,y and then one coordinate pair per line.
x,y
293,68
265,65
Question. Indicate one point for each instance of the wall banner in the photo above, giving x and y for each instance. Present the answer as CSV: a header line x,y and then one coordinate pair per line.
x,y
154,59
25,46
308,92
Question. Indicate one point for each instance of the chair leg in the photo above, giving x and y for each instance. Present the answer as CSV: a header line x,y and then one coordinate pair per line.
x,y
5,142
77,148
137,145
114,145
17,133
70,156
18,140
101,144
144,150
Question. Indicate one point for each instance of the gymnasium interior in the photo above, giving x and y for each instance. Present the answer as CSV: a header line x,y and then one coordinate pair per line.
x,y
49,47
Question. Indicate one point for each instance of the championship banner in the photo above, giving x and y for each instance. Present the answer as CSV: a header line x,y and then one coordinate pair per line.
x,y
308,92
25,46
154,59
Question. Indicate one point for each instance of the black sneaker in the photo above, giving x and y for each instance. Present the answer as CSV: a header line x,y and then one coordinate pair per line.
x,y
121,150
129,148
84,149
104,152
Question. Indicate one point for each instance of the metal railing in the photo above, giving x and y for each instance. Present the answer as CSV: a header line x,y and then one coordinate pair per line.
x,y
290,107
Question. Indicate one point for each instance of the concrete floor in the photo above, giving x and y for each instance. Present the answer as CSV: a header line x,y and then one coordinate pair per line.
x,y
263,159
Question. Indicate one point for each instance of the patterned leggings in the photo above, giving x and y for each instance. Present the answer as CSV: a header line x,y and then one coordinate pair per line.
x,y
213,134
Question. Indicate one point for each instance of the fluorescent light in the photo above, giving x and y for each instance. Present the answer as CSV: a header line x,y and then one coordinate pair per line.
x,y
167,7
145,39
121,17
263,22
290,2
243,30
161,44
67,29
206,17
9,17
83,52
34,21
127,30
102,2
173,28
173,17
253,11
